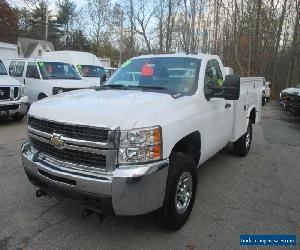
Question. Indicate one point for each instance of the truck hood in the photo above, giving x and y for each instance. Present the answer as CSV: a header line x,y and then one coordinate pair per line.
x,y
94,80
6,80
106,108
64,83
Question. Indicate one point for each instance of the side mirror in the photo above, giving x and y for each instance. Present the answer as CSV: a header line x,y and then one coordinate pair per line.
x,y
103,79
231,87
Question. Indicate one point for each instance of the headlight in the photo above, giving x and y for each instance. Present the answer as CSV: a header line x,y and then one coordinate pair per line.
x,y
140,145
57,90
23,91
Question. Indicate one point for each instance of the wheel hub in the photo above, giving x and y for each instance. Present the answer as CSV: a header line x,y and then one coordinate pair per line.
x,y
184,192
248,139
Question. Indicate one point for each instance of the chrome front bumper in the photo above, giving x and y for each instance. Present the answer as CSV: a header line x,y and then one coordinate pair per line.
x,y
22,109
131,190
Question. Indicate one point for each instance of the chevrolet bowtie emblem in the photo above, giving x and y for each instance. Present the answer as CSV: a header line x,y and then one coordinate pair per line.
x,y
56,141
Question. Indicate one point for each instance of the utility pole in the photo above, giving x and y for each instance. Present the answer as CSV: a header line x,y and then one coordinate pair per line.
x,y
46,30
121,37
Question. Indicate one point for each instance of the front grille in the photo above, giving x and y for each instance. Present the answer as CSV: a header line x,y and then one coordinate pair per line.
x,y
71,131
71,156
8,107
295,100
4,93
16,92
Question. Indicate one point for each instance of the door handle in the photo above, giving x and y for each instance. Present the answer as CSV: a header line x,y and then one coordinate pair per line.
x,y
227,105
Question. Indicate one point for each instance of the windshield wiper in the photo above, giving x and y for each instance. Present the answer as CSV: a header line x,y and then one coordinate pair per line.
x,y
151,87
113,86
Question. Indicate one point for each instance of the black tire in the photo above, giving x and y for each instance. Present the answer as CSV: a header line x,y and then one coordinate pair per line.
x,y
17,117
242,146
181,165
263,101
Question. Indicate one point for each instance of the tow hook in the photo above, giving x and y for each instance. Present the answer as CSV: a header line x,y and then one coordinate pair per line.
x,y
39,193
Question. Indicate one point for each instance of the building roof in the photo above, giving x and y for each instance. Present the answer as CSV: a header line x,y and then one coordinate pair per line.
x,y
28,45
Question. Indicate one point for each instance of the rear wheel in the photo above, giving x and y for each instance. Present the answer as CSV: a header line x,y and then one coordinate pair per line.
x,y
263,101
242,146
180,191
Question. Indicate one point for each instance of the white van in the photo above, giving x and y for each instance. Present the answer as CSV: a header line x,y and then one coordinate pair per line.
x,y
268,90
86,64
44,78
13,97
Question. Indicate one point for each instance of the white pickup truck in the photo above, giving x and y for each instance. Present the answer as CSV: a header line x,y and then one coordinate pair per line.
x,y
133,145
13,96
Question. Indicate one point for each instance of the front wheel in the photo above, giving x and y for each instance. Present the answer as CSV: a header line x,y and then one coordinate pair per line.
x,y
180,191
242,146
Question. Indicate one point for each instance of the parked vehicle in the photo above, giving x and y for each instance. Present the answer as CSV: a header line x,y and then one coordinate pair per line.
x,y
44,78
110,71
86,64
268,91
228,71
284,96
13,97
133,145
294,104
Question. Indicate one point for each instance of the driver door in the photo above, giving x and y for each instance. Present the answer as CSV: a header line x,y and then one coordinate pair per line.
x,y
218,117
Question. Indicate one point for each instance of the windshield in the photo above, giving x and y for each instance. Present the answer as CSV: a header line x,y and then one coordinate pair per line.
x,y
91,70
57,70
2,69
175,74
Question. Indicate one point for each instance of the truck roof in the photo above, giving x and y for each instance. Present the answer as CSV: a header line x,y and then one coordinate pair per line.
x,y
73,57
200,56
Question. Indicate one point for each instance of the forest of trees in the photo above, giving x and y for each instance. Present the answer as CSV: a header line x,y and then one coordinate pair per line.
x,y
254,37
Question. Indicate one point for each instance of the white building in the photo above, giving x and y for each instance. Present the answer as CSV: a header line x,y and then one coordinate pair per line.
x,y
31,48
8,50
105,62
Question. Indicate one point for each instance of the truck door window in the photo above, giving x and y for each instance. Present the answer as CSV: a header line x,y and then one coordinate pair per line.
x,y
213,79
12,67
18,69
2,69
32,71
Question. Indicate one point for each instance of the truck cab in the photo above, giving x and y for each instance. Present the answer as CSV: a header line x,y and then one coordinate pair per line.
x,y
86,64
133,145
44,78
13,96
